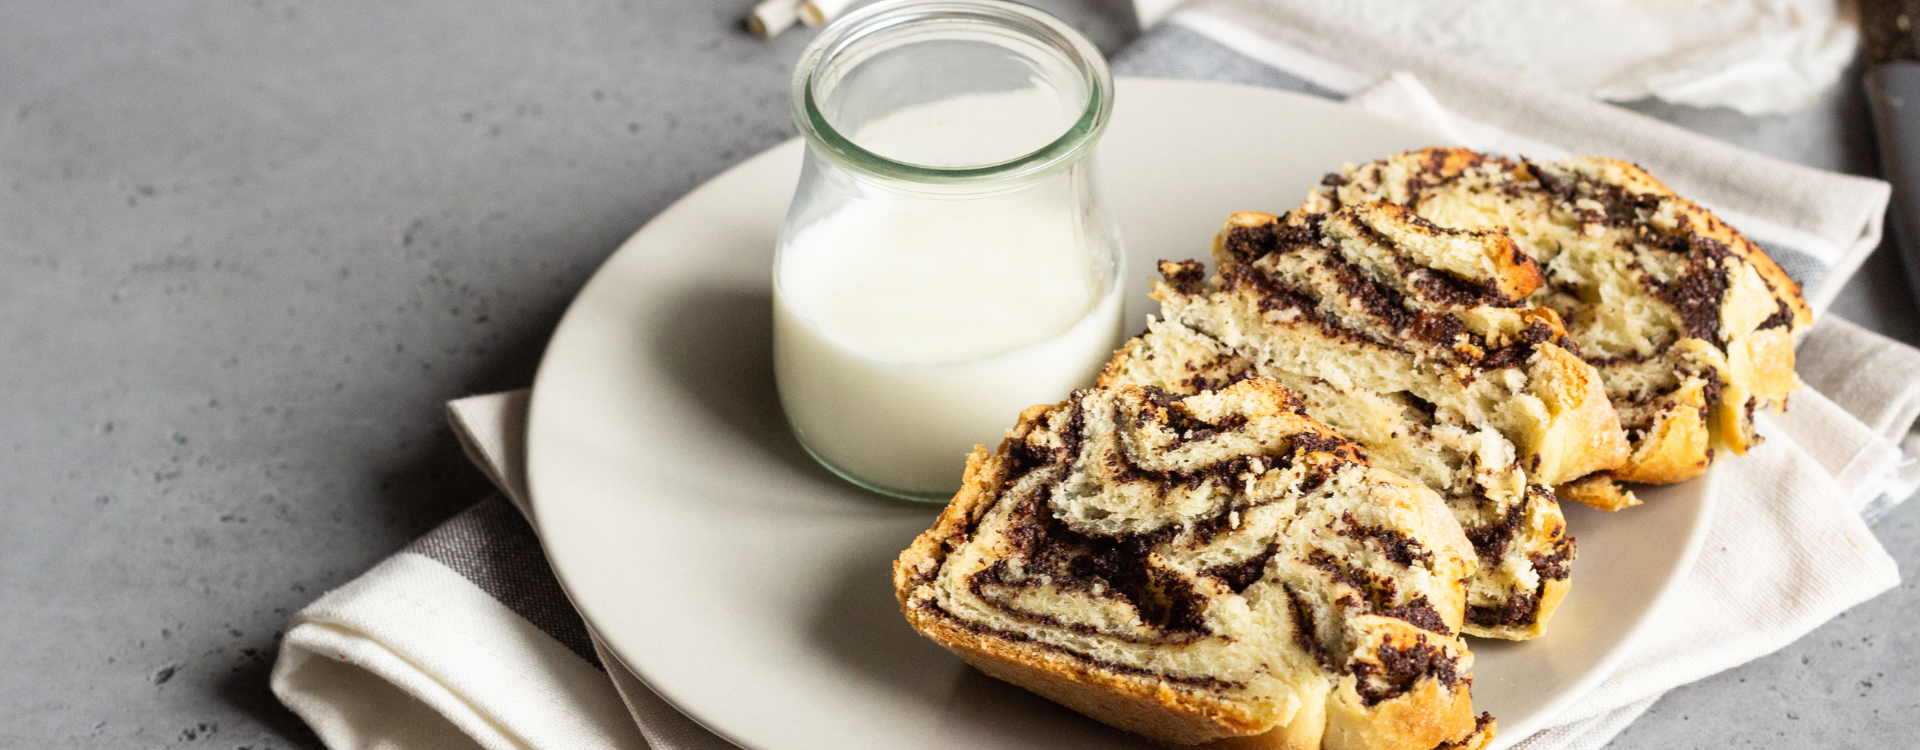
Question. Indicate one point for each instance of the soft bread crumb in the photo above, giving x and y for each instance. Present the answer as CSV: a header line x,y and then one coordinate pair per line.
x,y
1091,560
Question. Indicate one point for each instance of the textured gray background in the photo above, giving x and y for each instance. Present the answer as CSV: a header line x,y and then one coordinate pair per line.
x,y
247,248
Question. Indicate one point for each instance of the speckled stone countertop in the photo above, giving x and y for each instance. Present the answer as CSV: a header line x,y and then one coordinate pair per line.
x,y
248,248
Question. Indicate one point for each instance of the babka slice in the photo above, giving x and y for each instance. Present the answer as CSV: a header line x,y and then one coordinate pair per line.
x,y
1690,324
1412,341
1208,569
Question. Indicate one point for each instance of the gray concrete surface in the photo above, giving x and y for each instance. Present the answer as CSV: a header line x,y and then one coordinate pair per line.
x,y
247,248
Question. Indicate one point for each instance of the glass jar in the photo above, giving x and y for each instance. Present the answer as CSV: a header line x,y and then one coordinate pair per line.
x,y
946,262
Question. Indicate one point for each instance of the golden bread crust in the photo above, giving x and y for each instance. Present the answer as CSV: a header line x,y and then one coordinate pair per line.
x,y
1583,434
1599,492
1677,446
1484,730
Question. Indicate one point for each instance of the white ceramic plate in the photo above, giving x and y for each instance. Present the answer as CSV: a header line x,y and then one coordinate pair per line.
x,y
751,588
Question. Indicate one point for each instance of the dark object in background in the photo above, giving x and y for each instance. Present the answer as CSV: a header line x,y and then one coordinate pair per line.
x,y
1893,91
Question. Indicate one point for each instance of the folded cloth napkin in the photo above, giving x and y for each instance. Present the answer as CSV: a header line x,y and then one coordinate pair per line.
x,y
464,639
1756,56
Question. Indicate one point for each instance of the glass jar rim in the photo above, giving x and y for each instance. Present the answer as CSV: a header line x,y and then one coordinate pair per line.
x,y
849,30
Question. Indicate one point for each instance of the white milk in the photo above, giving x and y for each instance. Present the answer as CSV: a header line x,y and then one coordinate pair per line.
x,y
908,425
908,329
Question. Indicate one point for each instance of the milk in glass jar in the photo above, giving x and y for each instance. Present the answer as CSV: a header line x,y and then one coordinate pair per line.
x,y
946,262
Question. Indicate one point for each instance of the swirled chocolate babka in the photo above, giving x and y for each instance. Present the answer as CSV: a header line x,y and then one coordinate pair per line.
x,y
1212,568
1690,324
1413,341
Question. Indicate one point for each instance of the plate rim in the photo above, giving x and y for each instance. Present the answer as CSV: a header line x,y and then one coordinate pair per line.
x,y
1610,663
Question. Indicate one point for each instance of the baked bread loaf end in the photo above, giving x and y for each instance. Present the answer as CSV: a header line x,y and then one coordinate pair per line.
x,y
1690,324
1213,569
